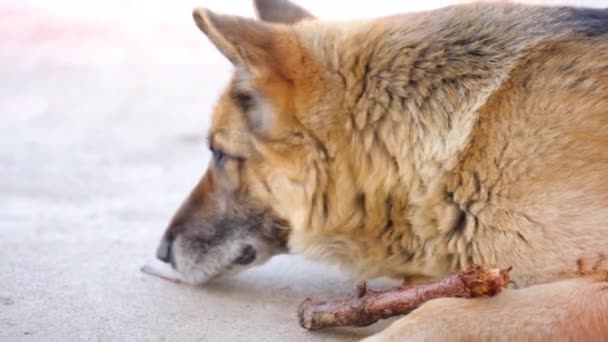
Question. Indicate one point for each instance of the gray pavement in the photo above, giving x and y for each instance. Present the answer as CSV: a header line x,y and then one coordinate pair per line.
x,y
101,136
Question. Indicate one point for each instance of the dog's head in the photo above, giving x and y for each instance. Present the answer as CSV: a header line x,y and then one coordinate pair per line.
x,y
262,176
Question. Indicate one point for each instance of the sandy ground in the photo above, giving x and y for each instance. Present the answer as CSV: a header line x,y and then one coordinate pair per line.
x,y
103,113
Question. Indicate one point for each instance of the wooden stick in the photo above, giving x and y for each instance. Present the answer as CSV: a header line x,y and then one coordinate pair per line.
x,y
360,289
149,270
367,307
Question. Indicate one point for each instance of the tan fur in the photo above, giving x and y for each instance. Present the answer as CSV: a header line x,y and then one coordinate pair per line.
x,y
415,145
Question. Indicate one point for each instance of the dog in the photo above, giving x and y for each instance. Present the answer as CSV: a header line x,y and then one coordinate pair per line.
x,y
410,146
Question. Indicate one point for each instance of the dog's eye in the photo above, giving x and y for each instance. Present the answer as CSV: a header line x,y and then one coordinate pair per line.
x,y
243,100
218,156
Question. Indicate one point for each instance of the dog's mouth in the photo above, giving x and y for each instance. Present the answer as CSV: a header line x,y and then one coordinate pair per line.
x,y
197,265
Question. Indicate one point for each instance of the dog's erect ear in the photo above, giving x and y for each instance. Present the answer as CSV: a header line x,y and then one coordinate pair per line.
x,y
253,44
281,11
243,41
269,58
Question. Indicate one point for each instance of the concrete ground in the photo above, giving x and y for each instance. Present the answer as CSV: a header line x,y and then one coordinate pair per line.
x,y
102,127
103,111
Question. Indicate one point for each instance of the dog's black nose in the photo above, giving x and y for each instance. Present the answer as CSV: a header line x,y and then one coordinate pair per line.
x,y
163,252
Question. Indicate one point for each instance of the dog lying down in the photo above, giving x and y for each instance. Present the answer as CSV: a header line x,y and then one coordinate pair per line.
x,y
411,147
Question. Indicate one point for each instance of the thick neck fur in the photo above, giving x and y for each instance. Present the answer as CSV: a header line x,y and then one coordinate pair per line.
x,y
409,88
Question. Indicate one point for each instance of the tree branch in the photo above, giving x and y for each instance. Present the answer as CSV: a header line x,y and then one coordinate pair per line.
x,y
367,307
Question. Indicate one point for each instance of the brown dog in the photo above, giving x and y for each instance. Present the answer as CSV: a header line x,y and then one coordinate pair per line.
x,y
411,146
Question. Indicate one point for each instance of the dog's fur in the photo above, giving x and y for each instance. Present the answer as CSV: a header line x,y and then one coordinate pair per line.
x,y
411,146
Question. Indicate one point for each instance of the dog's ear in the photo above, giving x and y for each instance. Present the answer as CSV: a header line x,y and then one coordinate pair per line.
x,y
243,41
269,59
281,11
251,43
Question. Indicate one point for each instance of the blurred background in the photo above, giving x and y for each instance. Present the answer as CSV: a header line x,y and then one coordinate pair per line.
x,y
104,107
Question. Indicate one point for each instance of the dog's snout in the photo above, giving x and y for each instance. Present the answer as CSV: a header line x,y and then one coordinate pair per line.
x,y
163,252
